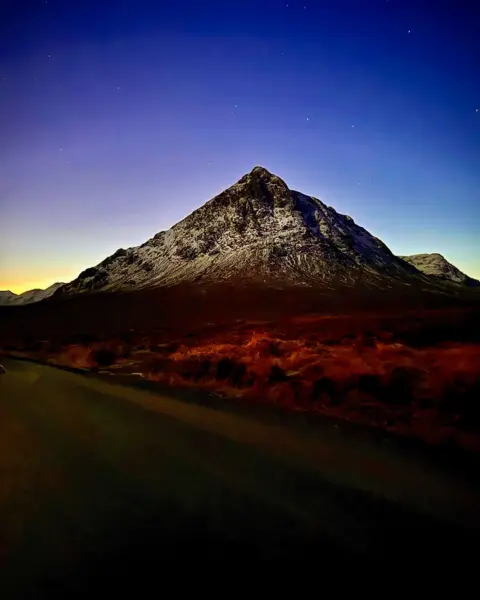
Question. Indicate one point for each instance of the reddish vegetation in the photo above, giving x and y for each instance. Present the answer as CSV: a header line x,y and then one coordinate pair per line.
x,y
431,392
418,374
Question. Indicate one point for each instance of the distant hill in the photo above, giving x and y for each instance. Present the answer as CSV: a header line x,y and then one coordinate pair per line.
x,y
436,265
8,298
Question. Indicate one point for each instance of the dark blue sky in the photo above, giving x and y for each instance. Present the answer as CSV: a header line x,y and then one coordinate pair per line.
x,y
118,118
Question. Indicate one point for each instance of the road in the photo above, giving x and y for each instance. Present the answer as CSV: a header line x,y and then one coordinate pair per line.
x,y
101,483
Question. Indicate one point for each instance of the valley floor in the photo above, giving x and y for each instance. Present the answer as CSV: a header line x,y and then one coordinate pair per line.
x,y
415,374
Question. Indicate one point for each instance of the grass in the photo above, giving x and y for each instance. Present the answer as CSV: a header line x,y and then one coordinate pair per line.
x,y
417,374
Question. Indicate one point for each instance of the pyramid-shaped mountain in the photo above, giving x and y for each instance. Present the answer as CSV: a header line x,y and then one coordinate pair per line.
x,y
258,230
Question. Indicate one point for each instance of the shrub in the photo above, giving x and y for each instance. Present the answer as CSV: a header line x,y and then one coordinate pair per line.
x,y
104,357
203,369
401,385
225,368
277,375
238,374
188,369
370,384
296,388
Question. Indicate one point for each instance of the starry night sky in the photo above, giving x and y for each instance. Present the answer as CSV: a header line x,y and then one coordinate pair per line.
x,y
118,118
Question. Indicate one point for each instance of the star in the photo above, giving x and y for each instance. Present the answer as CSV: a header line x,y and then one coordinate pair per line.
x,y
353,126
118,87
409,31
476,110
49,55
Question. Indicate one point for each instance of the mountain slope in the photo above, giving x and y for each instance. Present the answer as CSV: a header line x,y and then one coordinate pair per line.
x,y
10,299
7,297
258,230
438,266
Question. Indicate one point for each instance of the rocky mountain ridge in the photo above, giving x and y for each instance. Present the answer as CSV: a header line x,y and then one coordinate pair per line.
x,y
257,230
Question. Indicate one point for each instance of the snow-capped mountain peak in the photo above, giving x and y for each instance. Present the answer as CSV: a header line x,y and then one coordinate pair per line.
x,y
257,230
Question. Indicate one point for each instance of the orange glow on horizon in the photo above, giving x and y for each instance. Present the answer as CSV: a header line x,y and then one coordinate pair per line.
x,y
20,286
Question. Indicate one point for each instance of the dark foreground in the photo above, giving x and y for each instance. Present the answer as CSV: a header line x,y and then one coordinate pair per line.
x,y
106,485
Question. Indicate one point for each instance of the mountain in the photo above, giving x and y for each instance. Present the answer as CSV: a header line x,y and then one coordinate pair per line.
x,y
7,297
10,299
258,230
438,266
